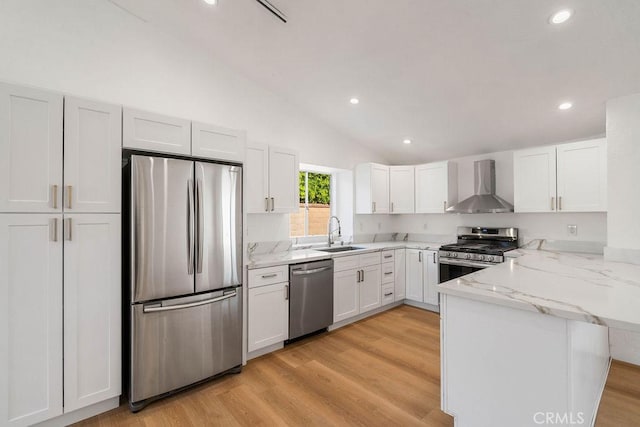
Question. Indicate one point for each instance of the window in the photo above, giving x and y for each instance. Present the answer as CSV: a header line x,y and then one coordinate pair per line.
x,y
315,205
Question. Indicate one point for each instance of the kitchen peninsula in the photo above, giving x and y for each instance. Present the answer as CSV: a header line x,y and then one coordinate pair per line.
x,y
526,342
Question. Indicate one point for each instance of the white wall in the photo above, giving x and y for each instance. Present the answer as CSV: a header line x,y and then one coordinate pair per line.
x,y
91,48
623,139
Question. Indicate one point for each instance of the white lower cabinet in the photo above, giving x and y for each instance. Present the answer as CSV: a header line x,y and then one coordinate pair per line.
x,y
422,276
92,300
268,308
356,285
31,325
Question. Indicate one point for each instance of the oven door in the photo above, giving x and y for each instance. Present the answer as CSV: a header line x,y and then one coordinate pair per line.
x,y
452,268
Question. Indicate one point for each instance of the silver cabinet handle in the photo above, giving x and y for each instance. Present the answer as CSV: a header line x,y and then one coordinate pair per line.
x,y
358,280
199,227
391,206
266,204
388,256
273,204
307,272
68,229
54,189
191,226
69,196
559,203
388,294
388,273
54,228
420,256
374,207
286,292
553,203
362,275
269,276
154,308
434,257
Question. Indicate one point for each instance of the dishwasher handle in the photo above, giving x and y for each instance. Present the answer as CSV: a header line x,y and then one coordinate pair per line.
x,y
307,272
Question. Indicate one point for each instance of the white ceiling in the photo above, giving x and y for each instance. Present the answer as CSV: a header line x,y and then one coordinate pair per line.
x,y
458,77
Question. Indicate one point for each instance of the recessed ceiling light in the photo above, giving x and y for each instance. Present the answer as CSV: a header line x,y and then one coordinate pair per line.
x,y
561,16
406,141
212,2
354,101
565,106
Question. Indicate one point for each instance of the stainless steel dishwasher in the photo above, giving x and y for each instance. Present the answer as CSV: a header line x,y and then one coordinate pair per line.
x,y
310,297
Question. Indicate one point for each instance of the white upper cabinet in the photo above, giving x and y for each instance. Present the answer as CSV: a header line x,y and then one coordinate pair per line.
x,y
284,169
436,187
563,178
582,176
372,188
92,320
534,186
401,189
218,143
92,156
271,179
30,150
143,130
30,318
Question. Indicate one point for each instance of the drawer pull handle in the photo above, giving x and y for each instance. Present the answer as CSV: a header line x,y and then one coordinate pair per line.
x,y
269,276
388,272
389,294
388,256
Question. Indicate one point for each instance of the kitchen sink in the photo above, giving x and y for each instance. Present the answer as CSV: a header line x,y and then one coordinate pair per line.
x,y
340,249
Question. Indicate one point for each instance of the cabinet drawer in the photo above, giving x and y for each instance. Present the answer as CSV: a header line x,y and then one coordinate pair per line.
x,y
388,272
346,263
388,294
267,276
369,259
388,256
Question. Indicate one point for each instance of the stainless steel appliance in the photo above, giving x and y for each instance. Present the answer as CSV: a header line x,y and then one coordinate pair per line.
x,y
477,248
184,273
310,297
484,199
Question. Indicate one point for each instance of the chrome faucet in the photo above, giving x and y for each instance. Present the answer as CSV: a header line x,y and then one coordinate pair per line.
x,y
330,231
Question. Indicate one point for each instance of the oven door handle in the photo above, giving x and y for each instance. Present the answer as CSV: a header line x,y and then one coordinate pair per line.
x,y
465,263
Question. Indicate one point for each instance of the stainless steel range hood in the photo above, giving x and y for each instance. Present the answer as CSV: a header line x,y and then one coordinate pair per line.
x,y
484,199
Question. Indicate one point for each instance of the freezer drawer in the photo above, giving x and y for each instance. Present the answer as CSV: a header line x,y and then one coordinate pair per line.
x,y
179,342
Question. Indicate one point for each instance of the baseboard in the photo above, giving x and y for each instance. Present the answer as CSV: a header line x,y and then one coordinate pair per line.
x,y
604,383
82,413
262,351
423,305
353,319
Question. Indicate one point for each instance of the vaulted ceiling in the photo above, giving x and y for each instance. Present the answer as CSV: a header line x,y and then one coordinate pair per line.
x,y
456,77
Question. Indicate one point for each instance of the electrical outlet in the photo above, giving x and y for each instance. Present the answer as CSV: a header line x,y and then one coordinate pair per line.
x,y
572,230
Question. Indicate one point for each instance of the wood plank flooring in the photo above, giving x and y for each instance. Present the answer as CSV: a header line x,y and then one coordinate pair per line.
x,y
384,370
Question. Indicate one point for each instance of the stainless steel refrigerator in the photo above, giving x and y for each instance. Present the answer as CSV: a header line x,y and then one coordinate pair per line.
x,y
185,274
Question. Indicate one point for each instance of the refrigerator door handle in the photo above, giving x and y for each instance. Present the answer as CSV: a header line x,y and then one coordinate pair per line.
x,y
191,225
155,308
199,227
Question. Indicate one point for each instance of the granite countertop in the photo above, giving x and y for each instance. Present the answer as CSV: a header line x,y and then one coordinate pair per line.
x,y
569,285
304,255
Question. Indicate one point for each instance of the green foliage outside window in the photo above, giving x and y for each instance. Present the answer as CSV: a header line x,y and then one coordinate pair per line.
x,y
319,188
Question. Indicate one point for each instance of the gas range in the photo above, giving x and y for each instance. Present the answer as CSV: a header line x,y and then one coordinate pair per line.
x,y
479,246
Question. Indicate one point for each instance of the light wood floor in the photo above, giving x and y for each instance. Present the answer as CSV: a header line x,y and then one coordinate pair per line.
x,y
384,370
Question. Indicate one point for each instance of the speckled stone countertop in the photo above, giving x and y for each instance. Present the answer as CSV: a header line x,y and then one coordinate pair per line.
x,y
304,255
569,285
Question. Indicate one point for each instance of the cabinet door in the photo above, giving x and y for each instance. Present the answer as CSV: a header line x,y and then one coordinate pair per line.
x,y
31,324
268,318
430,276
534,184
92,367
582,176
414,286
401,189
431,188
400,274
92,156
380,188
30,150
143,130
256,172
283,180
215,142
346,295
370,288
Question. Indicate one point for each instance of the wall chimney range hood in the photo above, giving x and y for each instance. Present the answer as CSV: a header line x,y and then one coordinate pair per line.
x,y
484,199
